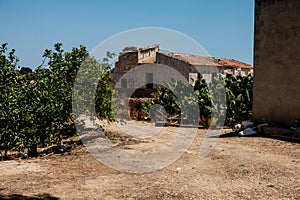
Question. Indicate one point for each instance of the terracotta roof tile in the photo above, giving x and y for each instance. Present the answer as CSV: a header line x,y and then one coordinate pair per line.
x,y
209,61
195,60
234,63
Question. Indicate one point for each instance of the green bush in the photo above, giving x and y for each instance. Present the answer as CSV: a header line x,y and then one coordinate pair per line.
x,y
238,92
36,106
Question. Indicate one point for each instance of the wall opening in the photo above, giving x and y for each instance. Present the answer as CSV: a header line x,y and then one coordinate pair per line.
x,y
149,80
123,83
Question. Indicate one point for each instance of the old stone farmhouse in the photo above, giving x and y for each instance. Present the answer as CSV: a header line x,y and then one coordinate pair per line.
x,y
191,67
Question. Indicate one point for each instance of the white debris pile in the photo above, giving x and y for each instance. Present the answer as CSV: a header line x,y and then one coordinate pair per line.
x,y
246,128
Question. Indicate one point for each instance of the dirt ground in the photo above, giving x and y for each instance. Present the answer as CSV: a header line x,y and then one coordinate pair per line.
x,y
236,168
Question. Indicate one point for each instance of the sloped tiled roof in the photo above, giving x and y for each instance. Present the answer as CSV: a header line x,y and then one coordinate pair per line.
x,y
195,60
234,63
209,61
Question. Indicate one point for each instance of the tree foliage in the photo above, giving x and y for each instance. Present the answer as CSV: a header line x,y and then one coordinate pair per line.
x,y
36,106
238,106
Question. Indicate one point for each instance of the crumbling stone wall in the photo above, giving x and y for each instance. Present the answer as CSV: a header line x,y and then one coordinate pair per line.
x,y
130,58
126,62
147,52
276,95
182,67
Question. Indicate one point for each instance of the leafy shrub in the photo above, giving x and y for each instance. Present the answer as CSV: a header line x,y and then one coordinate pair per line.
x,y
238,92
36,106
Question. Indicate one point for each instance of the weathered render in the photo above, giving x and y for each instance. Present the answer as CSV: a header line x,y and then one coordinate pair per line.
x,y
276,97
131,57
152,67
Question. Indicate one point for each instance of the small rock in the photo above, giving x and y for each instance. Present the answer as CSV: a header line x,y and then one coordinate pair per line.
x,y
178,169
24,156
188,152
67,148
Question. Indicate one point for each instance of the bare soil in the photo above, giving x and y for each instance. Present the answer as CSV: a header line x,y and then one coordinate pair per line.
x,y
236,168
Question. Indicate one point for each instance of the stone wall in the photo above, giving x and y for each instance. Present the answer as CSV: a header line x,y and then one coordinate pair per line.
x,y
276,95
126,62
144,54
180,66
130,59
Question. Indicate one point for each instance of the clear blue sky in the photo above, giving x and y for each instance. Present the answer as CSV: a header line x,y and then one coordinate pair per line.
x,y
223,27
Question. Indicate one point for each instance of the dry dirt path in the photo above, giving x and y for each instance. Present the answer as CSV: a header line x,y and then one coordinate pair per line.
x,y
236,168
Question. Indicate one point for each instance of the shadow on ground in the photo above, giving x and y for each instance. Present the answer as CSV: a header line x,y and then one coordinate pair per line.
x,y
20,196
277,137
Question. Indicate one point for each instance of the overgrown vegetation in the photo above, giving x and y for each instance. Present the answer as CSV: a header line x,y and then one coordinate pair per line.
x,y
36,106
238,92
